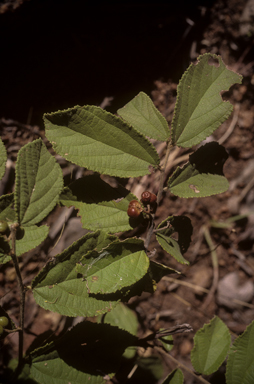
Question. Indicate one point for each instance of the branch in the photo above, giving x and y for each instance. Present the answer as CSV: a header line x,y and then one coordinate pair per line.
x,y
22,290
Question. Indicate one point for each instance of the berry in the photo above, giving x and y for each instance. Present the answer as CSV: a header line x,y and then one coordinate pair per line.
x,y
134,209
1,330
4,321
148,198
3,226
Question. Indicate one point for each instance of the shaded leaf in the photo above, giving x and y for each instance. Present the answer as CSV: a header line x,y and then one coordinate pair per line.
x,y
124,318
6,211
199,109
98,140
240,365
203,175
100,205
85,354
142,114
157,271
4,250
150,370
165,237
211,344
167,341
39,181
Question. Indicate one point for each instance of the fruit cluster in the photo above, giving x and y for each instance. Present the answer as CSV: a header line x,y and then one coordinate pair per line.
x,y
148,198
3,323
135,207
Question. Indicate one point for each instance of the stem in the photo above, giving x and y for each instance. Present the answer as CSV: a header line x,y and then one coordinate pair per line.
x,y
162,175
215,269
150,232
200,378
159,195
22,290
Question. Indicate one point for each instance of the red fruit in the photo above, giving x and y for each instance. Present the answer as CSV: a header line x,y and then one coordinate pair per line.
x,y
148,198
134,209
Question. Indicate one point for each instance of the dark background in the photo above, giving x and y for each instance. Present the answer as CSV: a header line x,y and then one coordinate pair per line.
x,y
56,54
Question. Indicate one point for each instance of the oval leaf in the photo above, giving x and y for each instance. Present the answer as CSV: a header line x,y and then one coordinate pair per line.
x,y
199,109
98,140
165,236
203,175
211,344
39,181
240,366
122,272
120,265
99,204
142,114
59,288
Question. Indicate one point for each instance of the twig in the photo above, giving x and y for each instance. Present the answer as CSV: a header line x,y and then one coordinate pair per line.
x,y
150,232
169,147
200,378
22,290
215,270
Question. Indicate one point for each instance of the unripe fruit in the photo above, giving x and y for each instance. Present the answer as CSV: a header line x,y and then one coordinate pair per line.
x,y
134,209
4,321
3,226
1,330
148,198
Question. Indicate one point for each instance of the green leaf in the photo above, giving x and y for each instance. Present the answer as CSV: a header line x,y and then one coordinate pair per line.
x,y
23,378
39,181
240,365
167,341
157,271
100,205
203,175
199,109
121,265
6,211
33,236
98,140
211,344
59,288
171,225
3,159
150,370
85,354
142,114
4,251
124,318
175,377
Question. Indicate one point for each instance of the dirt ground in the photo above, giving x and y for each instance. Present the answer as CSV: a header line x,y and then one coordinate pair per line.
x,y
202,290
